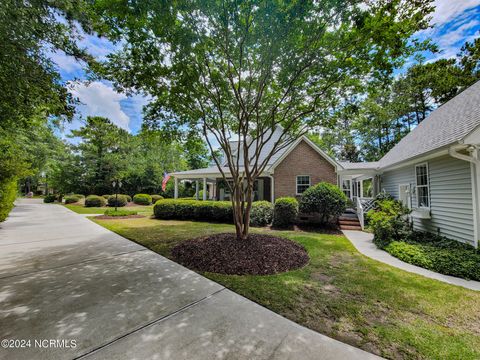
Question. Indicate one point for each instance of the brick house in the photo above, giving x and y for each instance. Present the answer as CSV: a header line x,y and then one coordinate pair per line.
x,y
289,172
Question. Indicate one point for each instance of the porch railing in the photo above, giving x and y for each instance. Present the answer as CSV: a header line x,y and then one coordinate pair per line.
x,y
364,205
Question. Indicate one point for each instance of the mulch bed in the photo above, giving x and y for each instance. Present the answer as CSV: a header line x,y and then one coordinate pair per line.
x,y
224,254
105,217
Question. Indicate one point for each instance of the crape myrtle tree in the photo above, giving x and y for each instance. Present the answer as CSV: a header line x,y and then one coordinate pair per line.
x,y
238,70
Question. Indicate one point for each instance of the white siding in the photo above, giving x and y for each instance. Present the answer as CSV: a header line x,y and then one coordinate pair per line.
x,y
450,196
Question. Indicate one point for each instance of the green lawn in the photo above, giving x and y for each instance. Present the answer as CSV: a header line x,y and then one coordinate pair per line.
x,y
343,294
80,209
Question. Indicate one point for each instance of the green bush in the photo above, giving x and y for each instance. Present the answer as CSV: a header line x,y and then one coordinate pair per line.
x,y
49,198
458,259
261,213
155,198
218,211
71,199
94,201
106,196
325,199
118,200
142,199
119,212
285,212
389,222
8,193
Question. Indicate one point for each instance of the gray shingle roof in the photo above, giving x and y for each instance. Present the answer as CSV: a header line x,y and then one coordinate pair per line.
x,y
446,125
359,165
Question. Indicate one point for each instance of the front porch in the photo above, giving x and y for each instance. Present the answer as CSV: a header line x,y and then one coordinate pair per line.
x,y
216,188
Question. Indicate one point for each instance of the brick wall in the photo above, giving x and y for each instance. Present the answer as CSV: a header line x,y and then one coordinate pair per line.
x,y
303,160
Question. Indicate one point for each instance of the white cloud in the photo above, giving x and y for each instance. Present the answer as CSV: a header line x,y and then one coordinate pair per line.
x,y
447,10
100,99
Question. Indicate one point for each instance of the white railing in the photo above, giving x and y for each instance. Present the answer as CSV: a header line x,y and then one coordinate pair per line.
x,y
364,205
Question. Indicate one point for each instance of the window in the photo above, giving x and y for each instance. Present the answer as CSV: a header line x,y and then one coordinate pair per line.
x,y
367,188
423,192
303,183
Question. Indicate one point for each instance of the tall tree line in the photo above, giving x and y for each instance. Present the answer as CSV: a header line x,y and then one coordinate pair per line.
x,y
368,125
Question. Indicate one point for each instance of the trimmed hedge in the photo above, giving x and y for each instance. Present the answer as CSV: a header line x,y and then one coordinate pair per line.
x,y
325,199
142,199
49,198
120,212
261,213
285,212
8,193
71,199
155,198
106,196
118,200
218,211
94,201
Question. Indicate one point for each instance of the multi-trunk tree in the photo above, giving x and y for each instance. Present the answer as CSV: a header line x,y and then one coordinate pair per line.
x,y
239,70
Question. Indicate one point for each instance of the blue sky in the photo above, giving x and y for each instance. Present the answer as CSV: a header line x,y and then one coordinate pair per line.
x,y
455,21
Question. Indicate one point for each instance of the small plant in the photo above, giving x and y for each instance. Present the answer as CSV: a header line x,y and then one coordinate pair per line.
x,y
325,199
285,212
155,198
49,198
142,199
120,212
94,201
117,200
72,199
389,222
261,213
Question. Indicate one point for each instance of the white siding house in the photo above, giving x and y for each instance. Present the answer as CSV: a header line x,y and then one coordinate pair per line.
x,y
435,170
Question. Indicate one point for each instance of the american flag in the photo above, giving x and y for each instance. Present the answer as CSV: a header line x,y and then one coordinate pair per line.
x,y
166,177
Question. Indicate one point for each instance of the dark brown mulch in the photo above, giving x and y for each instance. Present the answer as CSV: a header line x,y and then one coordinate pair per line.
x,y
106,217
224,254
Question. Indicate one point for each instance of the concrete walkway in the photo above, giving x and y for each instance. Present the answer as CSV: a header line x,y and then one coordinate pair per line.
x,y
364,244
64,278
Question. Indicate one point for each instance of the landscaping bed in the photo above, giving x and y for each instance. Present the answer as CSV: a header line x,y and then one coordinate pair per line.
x,y
109,217
225,254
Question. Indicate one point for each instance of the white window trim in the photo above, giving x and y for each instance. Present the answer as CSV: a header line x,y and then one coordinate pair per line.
x,y
427,186
296,183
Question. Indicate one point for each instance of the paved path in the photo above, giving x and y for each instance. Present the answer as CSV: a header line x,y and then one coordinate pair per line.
x,y
62,277
364,244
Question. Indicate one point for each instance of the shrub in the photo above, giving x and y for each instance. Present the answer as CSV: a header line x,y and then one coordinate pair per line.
x,y
219,211
458,259
117,200
71,199
142,199
388,222
261,213
155,198
49,198
94,201
8,193
325,199
285,212
106,196
120,212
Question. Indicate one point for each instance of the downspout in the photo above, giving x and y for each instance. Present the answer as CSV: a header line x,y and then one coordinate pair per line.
x,y
272,189
474,160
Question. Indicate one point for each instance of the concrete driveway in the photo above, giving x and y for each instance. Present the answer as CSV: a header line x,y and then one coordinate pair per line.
x,y
72,289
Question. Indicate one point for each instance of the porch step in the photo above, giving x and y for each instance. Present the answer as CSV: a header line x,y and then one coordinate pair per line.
x,y
349,221
350,227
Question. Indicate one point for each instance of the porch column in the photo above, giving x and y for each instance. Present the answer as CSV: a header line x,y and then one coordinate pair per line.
x,y
196,189
204,188
175,193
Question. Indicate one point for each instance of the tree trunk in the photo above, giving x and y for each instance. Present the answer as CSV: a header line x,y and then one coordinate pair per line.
x,y
242,205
